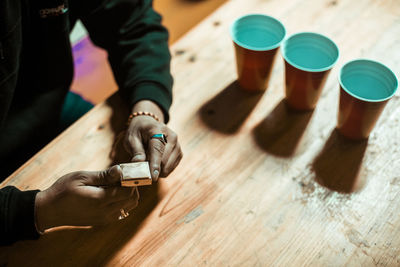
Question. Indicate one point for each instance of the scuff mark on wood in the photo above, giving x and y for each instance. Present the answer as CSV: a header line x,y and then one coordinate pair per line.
x,y
179,52
356,238
192,58
191,215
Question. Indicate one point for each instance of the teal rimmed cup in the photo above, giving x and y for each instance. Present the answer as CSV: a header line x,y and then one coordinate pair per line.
x,y
365,88
309,57
256,38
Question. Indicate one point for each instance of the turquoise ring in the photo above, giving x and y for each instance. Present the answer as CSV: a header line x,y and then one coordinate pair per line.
x,y
160,137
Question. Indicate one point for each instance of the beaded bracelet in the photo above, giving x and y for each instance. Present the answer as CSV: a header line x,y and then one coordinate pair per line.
x,y
141,113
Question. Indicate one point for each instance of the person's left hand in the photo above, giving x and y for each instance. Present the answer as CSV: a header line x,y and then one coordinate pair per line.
x,y
163,157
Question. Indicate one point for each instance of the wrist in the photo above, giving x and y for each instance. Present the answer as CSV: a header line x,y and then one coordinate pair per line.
x,y
43,217
149,107
141,113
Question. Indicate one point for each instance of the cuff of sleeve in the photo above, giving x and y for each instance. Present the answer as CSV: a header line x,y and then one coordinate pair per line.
x,y
23,215
154,92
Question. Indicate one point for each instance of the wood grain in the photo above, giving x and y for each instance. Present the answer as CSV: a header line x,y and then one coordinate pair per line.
x,y
259,185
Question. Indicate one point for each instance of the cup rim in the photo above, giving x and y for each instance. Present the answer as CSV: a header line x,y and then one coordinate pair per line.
x,y
362,98
283,52
267,48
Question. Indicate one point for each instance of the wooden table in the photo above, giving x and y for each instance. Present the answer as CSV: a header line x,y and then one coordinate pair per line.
x,y
258,185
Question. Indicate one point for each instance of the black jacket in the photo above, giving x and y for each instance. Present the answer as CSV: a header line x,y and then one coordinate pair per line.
x,y
36,70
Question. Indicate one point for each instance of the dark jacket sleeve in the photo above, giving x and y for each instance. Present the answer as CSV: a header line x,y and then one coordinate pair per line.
x,y
137,46
17,219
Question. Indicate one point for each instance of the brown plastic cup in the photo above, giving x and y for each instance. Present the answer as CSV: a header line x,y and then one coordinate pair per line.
x,y
256,38
365,88
309,57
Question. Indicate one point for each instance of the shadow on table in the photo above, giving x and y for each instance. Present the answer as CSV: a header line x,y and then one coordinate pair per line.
x,y
338,165
96,246
281,131
149,195
119,117
227,111
69,246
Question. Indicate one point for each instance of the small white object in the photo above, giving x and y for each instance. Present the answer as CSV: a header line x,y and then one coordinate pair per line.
x,y
135,174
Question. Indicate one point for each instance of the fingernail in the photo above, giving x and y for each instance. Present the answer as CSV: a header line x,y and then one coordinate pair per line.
x,y
119,170
156,173
138,157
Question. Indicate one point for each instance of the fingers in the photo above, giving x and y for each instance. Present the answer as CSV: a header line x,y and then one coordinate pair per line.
x,y
126,204
111,176
164,161
171,160
111,200
117,194
163,156
114,209
169,147
155,152
134,145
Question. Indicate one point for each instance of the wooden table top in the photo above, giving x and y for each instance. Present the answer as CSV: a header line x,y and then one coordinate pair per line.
x,y
258,185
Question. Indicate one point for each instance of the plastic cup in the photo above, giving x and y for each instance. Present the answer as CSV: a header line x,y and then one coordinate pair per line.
x,y
365,88
309,57
256,38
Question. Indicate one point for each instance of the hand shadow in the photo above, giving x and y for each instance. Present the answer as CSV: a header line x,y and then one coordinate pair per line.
x,y
281,131
93,246
121,233
149,195
89,246
119,116
227,111
338,165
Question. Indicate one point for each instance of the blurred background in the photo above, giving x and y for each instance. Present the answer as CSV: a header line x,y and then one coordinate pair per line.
x,y
93,78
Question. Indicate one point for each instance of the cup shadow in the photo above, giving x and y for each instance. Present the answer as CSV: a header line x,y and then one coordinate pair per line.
x,y
281,131
227,111
337,167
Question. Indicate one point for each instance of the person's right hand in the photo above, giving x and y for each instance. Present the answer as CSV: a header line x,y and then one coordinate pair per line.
x,y
84,199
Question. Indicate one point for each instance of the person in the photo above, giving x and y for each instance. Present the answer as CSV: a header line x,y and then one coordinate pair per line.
x,y
36,71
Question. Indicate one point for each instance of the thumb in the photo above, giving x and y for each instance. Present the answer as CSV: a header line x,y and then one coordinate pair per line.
x,y
137,149
110,176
